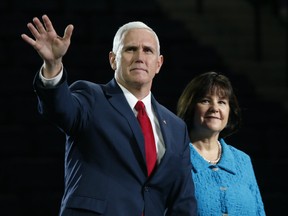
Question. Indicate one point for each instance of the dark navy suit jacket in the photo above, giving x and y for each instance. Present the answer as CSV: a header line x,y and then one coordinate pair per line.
x,y
105,171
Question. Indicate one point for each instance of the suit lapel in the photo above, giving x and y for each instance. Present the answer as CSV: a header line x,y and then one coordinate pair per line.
x,y
117,99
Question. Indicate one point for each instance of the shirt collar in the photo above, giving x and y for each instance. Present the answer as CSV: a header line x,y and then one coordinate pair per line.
x,y
132,100
227,161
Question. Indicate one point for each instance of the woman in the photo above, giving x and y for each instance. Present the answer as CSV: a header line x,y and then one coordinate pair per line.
x,y
225,182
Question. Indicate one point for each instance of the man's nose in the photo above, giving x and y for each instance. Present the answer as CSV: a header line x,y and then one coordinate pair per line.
x,y
139,55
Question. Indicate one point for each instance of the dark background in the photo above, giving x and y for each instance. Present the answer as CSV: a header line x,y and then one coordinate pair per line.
x,y
246,40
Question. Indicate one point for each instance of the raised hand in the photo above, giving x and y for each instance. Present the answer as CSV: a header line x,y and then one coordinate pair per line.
x,y
49,45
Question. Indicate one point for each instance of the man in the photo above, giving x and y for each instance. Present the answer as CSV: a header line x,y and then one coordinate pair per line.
x,y
105,162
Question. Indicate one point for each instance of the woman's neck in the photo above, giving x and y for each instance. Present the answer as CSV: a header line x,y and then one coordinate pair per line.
x,y
209,149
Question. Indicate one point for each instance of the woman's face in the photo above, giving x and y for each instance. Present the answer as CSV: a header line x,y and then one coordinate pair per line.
x,y
211,113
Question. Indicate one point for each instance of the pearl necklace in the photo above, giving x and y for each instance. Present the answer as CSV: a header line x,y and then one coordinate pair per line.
x,y
217,159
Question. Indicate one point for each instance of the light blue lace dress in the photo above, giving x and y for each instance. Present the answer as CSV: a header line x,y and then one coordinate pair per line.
x,y
227,188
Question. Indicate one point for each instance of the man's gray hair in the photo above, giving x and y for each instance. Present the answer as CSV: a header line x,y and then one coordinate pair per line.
x,y
128,26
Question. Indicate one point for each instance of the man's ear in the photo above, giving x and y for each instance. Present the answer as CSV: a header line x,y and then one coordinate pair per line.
x,y
160,63
112,60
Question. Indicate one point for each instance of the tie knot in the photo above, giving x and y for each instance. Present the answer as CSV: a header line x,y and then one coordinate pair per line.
x,y
139,106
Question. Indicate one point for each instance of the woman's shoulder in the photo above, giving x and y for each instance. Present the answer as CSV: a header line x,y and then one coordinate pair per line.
x,y
235,151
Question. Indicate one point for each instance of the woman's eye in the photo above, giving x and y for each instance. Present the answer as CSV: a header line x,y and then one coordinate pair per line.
x,y
204,101
223,102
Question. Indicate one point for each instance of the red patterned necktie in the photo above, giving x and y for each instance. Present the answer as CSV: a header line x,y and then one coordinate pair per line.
x,y
150,147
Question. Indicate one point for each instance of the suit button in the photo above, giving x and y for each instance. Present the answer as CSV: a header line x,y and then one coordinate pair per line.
x,y
223,188
146,188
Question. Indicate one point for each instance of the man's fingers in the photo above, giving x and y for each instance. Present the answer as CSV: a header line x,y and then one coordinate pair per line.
x,y
39,26
48,24
68,32
29,40
33,30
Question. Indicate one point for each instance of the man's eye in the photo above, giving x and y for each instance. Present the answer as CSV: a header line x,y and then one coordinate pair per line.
x,y
147,50
130,49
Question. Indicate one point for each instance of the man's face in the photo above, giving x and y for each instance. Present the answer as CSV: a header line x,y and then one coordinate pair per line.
x,y
137,60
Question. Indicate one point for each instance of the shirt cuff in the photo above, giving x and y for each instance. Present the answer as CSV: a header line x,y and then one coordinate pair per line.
x,y
52,81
